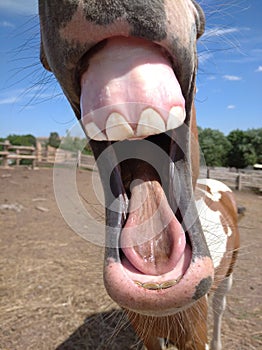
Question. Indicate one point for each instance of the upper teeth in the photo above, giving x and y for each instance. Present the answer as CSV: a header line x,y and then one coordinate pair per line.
x,y
176,118
117,127
94,132
150,123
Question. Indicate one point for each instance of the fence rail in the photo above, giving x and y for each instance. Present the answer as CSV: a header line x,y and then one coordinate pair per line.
x,y
85,161
239,180
244,179
11,152
41,156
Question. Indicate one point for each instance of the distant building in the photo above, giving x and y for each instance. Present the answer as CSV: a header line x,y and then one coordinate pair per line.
x,y
42,140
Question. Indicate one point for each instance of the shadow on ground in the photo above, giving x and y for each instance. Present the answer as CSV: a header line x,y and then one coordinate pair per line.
x,y
103,331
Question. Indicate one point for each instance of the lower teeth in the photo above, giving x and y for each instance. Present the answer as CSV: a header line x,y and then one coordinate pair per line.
x,y
158,286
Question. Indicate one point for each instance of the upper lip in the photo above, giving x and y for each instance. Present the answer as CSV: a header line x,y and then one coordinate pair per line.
x,y
83,62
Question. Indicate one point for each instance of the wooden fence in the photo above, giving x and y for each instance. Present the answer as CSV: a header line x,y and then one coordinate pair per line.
x,y
14,154
85,161
237,179
42,156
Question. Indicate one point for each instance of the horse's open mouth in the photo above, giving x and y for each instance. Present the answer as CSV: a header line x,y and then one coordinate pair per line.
x,y
137,124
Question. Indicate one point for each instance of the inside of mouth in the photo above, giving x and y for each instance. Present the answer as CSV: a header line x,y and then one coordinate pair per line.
x,y
152,240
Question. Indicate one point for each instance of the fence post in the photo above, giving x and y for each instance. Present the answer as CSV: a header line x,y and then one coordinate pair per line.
x,y
38,151
34,164
79,158
239,182
5,161
5,158
17,161
208,173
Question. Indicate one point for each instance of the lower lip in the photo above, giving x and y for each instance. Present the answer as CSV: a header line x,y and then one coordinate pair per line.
x,y
120,282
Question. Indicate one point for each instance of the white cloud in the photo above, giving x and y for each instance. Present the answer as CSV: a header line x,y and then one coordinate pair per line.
x,y
204,56
211,77
232,77
209,33
28,7
8,100
13,96
28,97
231,107
259,69
6,24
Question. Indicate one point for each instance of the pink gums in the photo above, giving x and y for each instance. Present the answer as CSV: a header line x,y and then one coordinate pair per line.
x,y
126,76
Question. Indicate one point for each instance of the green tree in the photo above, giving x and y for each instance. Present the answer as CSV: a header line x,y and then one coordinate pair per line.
x,y
214,146
54,140
73,143
255,138
1,140
22,140
243,150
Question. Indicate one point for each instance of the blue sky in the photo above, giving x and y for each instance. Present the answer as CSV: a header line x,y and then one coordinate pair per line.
x,y
229,82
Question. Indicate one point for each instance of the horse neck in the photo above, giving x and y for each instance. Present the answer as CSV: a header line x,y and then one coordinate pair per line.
x,y
194,146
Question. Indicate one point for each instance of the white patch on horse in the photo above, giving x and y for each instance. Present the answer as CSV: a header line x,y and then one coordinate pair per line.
x,y
215,187
213,230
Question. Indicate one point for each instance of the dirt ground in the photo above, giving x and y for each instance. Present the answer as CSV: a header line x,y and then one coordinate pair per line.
x,y
51,288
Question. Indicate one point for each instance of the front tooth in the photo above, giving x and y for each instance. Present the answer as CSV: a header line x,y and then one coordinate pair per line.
x,y
94,132
176,117
150,123
117,128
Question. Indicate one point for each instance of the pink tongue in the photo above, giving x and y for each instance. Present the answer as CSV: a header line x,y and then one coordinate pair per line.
x,y
128,70
152,239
